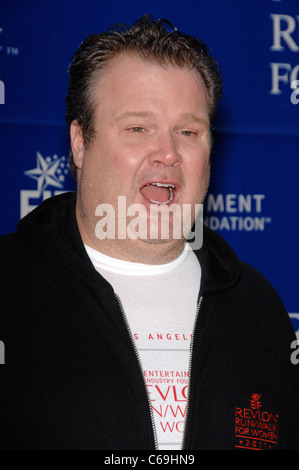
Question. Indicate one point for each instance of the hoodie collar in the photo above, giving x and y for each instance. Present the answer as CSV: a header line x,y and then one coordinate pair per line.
x,y
219,263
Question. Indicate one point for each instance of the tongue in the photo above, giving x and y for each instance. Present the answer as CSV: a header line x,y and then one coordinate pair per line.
x,y
155,193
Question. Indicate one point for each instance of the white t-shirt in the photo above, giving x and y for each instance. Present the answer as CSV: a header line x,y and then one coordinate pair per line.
x,y
160,303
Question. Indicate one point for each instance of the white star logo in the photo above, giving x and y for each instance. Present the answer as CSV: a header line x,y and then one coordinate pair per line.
x,y
45,172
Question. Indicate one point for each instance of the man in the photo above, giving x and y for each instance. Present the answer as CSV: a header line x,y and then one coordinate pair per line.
x,y
116,335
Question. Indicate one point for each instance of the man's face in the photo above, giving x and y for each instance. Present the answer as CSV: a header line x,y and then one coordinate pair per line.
x,y
151,145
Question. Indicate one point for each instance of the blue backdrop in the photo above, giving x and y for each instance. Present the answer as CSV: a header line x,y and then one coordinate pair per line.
x,y
253,199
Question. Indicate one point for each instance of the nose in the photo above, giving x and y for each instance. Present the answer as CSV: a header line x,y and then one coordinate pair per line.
x,y
165,151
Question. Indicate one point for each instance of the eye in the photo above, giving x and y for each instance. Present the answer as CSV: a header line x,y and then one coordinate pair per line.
x,y
136,129
189,133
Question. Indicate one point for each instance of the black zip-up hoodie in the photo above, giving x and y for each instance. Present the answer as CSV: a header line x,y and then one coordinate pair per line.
x,y
71,379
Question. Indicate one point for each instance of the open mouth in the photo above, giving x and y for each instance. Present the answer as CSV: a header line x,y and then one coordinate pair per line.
x,y
158,193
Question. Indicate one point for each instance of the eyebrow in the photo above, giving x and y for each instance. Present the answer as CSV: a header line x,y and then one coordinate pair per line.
x,y
194,118
128,114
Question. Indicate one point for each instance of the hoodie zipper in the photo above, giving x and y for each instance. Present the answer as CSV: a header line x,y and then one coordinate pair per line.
x,y
141,370
190,366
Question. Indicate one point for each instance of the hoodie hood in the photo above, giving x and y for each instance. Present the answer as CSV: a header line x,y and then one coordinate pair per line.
x,y
51,229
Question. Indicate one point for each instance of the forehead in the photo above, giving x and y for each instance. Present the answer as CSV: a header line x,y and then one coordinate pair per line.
x,y
131,77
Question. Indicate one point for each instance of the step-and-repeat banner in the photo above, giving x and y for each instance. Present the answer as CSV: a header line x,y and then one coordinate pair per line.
x,y
253,199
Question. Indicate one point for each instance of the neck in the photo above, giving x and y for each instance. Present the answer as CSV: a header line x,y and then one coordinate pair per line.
x,y
133,250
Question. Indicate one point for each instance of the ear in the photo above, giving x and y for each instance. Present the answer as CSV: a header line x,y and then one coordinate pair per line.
x,y
77,143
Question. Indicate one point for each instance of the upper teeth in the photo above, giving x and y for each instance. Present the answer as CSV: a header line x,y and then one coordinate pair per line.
x,y
164,185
